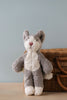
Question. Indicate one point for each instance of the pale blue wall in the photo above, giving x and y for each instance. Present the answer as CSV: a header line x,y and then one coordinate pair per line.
x,y
18,15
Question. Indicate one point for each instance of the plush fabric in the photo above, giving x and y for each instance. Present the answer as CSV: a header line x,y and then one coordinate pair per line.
x,y
35,64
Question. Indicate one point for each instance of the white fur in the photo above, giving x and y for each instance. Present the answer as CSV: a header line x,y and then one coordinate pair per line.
x,y
29,90
38,90
31,61
34,47
48,76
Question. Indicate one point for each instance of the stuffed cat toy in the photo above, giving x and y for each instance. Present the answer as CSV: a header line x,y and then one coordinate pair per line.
x,y
35,64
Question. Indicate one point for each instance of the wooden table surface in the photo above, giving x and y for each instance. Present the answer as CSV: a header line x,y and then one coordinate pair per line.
x,y
15,91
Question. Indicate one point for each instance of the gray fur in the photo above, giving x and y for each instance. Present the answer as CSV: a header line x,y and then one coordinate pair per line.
x,y
28,78
38,78
40,35
34,78
45,63
25,34
18,64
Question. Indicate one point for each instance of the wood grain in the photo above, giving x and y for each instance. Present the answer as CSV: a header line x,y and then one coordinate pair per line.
x,y
15,91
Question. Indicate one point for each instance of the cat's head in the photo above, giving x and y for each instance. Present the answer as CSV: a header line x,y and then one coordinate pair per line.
x,y
33,42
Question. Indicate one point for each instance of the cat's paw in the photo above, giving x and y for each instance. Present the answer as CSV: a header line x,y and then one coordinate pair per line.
x,y
29,90
48,76
38,90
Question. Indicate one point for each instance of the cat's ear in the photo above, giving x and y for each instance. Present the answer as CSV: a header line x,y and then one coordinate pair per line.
x,y
41,35
25,34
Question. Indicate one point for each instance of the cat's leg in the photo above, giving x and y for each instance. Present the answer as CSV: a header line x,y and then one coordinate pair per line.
x,y
38,81
28,82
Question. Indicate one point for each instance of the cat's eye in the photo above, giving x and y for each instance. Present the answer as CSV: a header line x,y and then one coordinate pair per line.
x,y
36,39
28,38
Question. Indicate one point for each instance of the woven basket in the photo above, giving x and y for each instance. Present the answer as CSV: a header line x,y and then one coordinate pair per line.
x,y
58,57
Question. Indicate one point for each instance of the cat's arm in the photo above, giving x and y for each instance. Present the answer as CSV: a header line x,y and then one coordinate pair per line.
x,y
47,66
18,64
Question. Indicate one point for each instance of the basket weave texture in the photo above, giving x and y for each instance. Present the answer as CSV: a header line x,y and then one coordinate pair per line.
x,y
58,57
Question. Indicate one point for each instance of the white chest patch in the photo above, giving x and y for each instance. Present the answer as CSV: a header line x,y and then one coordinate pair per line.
x,y
31,61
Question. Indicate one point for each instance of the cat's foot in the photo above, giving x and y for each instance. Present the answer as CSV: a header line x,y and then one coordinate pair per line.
x,y
38,90
48,76
29,90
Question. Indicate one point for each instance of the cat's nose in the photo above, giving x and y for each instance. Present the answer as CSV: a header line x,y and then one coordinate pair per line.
x,y
31,43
